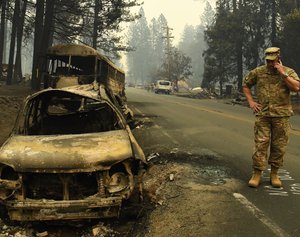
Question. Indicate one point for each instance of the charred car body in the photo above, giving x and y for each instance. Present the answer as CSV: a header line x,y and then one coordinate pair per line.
x,y
71,156
77,64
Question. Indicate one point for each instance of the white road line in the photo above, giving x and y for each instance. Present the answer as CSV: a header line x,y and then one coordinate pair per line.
x,y
261,216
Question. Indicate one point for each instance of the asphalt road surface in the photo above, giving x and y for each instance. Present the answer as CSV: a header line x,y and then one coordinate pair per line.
x,y
197,125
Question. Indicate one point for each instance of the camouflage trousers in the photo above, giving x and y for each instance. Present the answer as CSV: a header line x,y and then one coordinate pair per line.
x,y
270,132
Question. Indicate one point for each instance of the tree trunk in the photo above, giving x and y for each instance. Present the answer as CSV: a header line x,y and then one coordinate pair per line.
x,y
10,70
273,22
239,52
221,86
98,4
38,26
2,36
234,5
239,49
46,39
18,64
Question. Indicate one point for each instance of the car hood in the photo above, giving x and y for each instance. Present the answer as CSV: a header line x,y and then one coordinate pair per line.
x,y
66,153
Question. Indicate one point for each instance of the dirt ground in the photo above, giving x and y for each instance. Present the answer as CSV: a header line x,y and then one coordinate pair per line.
x,y
185,194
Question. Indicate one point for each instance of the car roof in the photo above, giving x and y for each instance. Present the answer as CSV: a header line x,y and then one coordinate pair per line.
x,y
95,92
81,90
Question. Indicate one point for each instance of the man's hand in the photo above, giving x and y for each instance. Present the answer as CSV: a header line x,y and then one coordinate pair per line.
x,y
291,83
256,107
278,65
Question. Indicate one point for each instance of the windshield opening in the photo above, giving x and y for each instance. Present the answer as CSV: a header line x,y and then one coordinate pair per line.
x,y
67,113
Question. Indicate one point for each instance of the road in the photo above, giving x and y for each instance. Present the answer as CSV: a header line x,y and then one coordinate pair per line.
x,y
226,130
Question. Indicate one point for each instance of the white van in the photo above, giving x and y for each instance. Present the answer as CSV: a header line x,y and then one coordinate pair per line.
x,y
162,86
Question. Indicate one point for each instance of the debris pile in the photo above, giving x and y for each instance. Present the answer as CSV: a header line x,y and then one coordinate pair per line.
x,y
203,94
16,231
198,93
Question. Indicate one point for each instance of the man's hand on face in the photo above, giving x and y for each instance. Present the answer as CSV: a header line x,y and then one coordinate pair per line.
x,y
278,65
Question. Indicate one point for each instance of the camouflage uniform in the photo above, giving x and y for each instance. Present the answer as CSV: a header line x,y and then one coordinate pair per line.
x,y
272,122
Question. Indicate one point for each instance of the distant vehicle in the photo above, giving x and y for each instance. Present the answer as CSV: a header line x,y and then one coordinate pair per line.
x,y
71,156
140,86
163,86
75,64
130,85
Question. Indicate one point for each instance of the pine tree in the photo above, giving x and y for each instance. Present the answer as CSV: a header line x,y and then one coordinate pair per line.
x,y
290,40
158,44
140,42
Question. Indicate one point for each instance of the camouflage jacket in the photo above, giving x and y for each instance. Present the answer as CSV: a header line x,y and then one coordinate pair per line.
x,y
271,90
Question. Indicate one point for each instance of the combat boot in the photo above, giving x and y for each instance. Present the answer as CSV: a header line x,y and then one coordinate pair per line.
x,y
255,179
275,181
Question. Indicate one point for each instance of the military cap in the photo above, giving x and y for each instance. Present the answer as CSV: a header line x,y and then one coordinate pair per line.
x,y
272,53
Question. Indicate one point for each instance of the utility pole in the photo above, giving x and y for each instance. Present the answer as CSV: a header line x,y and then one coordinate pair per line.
x,y
168,51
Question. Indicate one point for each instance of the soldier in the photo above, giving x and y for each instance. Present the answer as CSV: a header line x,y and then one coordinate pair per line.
x,y
273,108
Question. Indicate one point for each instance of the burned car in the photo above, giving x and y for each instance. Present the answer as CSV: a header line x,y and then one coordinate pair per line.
x,y
70,156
